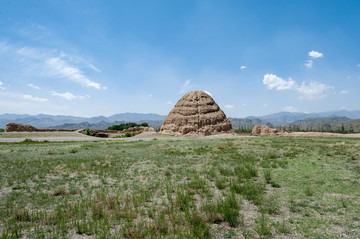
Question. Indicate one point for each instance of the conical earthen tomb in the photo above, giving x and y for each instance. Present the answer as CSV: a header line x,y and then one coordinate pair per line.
x,y
196,113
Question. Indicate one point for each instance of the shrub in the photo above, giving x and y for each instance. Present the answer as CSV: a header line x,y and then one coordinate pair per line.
x,y
199,227
229,208
253,191
263,227
309,191
270,204
88,132
226,171
128,134
28,141
73,151
245,171
126,126
275,185
282,227
221,183
268,176
183,200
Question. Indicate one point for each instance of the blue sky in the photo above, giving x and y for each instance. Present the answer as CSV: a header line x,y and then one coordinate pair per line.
x,y
90,58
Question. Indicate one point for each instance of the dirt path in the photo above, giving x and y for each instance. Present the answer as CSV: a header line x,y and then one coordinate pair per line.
x,y
75,136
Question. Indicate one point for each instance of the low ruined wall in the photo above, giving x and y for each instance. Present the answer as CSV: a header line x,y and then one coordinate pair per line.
x,y
136,129
262,130
15,127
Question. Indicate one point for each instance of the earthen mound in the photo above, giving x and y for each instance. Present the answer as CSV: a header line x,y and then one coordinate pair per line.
x,y
138,129
15,127
196,114
262,130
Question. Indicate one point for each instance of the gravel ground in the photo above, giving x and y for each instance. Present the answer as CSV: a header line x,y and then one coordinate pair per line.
x,y
75,136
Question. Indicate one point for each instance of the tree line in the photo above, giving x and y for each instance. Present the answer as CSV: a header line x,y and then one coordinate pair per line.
x,y
302,128
126,126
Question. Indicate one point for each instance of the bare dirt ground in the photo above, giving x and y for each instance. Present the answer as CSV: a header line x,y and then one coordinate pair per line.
x,y
321,134
75,136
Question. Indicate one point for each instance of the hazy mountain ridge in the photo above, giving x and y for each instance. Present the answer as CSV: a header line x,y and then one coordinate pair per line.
x,y
246,122
282,118
335,126
102,125
334,118
55,121
312,121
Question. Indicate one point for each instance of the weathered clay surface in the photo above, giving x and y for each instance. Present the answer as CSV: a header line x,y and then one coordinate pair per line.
x,y
14,127
262,130
196,114
105,133
140,129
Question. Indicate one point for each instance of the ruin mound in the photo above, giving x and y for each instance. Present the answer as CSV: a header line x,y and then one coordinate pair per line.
x,y
262,130
196,114
15,127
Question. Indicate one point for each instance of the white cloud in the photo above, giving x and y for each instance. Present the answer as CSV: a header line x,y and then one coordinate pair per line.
x,y
37,99
358,65
265,105
313,90
309,64
187,82
67,95
35,32
185,86
244,105
34,86
94,68
290,109
150,95
61,68
243,67
227,106
207,92
272,81
105,88
344,92
48,63
169,103
1,86
315,54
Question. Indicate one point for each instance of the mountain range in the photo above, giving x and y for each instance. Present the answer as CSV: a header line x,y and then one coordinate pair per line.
x,y
289,117
54,121
155,120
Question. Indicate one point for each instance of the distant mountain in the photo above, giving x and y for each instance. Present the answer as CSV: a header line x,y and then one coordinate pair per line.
x,y
355,114
102,125
288,117
247,123
135,117
282,117
326,125
312,121
50,121
353,125
155,120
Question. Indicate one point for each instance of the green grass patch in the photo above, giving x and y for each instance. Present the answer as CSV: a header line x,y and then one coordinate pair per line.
x,y
261,187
